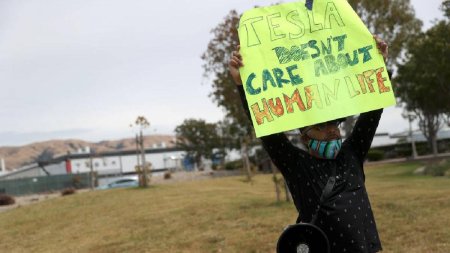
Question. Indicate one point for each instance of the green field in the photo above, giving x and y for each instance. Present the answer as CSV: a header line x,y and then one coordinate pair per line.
x,y
220,215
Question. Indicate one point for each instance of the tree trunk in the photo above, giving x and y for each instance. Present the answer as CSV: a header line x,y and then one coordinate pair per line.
x,y
198,161
433,128
288,193
144,170
429,125
245,160
276,182
222,160
434,144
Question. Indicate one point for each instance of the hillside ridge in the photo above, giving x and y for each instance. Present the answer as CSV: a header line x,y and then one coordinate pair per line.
x,y
18,156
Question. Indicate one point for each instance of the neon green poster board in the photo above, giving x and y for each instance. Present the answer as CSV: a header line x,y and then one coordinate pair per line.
x,y
304,67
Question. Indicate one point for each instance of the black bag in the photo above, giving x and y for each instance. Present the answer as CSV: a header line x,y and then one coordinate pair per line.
x,y
307,237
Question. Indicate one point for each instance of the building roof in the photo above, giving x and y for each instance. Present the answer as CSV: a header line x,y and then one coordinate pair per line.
x,y
62,158
418,135
114,153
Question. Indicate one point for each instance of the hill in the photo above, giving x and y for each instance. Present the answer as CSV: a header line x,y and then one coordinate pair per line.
x,y
16,157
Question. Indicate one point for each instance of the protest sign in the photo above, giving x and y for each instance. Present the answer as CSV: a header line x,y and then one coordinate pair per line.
x,y
303,67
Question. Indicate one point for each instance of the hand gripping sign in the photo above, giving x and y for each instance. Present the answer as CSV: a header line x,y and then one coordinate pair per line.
x,y
303,67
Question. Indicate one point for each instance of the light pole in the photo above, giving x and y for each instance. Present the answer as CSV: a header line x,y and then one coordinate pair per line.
x,y
411,116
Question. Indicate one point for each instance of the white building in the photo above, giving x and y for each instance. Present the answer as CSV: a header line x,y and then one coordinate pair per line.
x,y
382,140
418,136
108,163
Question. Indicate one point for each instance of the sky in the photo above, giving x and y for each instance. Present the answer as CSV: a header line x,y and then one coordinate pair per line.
x,y
86,69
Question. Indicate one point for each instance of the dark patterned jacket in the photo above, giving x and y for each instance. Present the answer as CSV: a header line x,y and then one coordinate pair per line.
x,y
346,215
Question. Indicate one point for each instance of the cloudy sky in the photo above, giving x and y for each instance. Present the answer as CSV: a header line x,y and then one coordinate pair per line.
x,y
86,69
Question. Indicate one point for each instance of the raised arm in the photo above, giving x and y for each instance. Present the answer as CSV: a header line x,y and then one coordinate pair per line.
x,y
363,132
365,127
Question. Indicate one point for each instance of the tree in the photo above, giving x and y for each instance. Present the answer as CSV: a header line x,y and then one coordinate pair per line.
x,y
445,7
215,66
198,138
423,80
144,170
224,93
229,134
394,20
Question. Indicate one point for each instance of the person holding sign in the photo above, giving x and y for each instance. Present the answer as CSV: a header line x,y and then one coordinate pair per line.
x,y
344,214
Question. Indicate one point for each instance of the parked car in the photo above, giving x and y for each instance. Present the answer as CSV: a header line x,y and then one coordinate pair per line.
x,y
120,183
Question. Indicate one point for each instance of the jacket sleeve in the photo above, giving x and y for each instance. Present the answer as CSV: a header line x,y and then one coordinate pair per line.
x,y
363,133
277,145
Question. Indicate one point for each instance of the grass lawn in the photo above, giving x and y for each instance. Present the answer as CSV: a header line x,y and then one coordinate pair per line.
x,y
220,215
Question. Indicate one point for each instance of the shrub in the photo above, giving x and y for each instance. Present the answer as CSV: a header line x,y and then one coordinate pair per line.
x,y
6,200
76,181
438,169
375,155
68,191
234,165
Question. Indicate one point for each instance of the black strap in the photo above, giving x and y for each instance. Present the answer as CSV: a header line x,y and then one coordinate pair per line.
x,y
326,191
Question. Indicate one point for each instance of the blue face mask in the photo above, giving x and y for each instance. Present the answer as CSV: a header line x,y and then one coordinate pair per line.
x,y
325,149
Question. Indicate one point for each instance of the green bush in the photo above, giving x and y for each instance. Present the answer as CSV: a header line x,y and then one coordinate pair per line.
x,y
6,200
375,155
68,191
233,165
438,169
